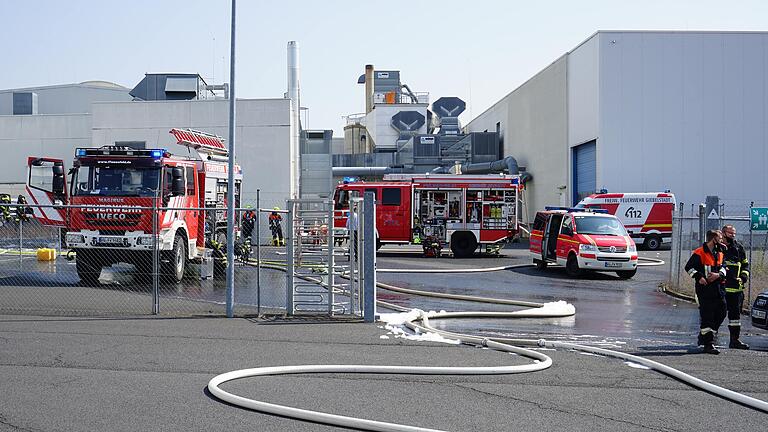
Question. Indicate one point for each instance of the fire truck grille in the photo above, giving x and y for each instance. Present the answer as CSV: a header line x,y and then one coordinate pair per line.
x,y
112,232
619,249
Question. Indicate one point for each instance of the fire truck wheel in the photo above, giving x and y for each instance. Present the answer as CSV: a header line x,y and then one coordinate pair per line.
x,y
87,269
626,274
652,242
540,264
572,266
463,245
177,260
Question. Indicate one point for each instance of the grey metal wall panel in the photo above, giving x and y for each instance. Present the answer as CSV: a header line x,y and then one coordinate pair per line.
x,y
677,101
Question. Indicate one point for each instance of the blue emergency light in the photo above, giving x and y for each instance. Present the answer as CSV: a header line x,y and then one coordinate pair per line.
x,y
157,154
349,179
80,152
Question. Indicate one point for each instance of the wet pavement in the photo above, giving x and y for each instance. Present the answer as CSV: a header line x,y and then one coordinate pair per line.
x,y
609,311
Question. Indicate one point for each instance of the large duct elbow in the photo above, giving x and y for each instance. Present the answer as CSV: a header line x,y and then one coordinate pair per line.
x,y
508,164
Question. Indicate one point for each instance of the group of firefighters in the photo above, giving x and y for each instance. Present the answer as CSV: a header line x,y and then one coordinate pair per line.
x,y
248,223
22,211
720,270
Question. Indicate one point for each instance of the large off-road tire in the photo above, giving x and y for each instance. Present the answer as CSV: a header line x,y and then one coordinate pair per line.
x,y
173,269
626,274
652,242
463,244
572,266
88,268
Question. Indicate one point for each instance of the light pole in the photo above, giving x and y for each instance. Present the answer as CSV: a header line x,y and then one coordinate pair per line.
x,y
231,175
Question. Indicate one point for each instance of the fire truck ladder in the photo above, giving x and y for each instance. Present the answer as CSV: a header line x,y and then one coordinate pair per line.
x,y
320,277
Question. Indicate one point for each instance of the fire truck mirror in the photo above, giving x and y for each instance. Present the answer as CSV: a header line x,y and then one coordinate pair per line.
x,y
58,180
178,186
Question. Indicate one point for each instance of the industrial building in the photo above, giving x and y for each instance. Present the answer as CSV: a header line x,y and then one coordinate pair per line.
x,y
642,111
55,120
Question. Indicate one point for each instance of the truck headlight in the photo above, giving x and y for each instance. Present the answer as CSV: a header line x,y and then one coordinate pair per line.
x,y
587,248
75,238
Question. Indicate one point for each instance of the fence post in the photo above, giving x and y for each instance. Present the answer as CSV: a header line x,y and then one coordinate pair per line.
x,y
749,282
369,256
673,264
258,252
155,262
289,259
702,222
21,240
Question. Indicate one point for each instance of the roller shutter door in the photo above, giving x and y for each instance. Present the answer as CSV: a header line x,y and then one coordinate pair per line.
x,y
584,170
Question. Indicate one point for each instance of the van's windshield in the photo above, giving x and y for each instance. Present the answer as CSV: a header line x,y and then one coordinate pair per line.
x,y
599,225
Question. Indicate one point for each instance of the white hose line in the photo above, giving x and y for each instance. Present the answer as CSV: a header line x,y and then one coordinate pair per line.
x,y
649,262
541,362
461,270
659,367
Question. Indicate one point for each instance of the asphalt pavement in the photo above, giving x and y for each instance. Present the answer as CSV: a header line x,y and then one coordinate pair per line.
x,y
150,373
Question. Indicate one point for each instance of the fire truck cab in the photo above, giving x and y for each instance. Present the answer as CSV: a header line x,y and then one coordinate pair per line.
x,y
582,240
113,191
463,211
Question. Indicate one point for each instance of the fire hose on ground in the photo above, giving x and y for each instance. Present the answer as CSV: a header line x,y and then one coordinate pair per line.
x,y
420,321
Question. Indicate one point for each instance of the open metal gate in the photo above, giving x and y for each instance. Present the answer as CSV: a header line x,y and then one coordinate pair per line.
x,y
324,271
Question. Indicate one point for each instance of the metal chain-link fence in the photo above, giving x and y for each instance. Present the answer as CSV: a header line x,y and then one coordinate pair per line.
x,y
95,264
689,224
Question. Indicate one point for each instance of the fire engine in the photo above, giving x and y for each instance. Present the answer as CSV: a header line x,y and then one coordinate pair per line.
x,y
463,211
646,216
116,188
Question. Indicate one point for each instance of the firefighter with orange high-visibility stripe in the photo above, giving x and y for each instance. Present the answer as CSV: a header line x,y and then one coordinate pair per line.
x,y
277,230
735,260
706,268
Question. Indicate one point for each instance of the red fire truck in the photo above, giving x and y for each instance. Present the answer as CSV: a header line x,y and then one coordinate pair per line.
x,y
116,187
463,211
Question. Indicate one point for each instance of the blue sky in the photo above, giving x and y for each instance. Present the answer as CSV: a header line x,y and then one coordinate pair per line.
x,y
476,50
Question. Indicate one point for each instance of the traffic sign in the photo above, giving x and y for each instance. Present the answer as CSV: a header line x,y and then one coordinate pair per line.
x,y
759,216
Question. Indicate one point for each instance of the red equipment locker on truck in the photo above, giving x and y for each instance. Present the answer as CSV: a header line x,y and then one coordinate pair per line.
x,y
646,216
463,211
118,186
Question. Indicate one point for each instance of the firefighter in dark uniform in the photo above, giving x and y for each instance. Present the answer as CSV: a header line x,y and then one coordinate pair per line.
x,y
276,228
706,268
5,210
737,264
248,222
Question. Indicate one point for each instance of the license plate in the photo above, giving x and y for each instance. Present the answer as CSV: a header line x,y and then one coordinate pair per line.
x,y
758,313
613,264
110,240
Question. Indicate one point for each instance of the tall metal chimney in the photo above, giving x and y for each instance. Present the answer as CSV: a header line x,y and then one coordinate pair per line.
x,y
368,88
293,95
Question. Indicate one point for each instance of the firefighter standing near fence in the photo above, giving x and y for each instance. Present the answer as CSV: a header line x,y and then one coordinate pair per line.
x,y
248,222
5,210
706,268
275,226
737,264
